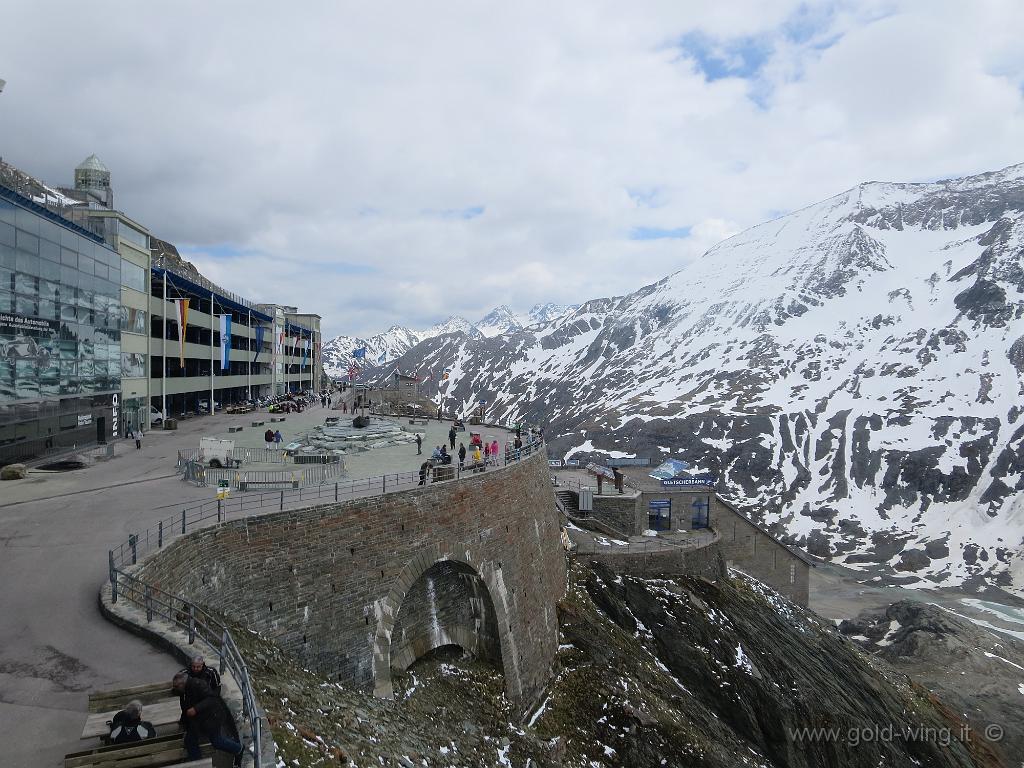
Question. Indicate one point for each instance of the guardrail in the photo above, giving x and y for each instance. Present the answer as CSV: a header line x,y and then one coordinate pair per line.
x,y
194,619
303,476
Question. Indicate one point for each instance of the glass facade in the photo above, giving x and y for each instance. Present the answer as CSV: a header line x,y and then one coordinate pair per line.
x,y
60,332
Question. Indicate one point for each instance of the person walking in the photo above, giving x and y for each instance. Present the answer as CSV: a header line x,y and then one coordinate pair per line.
x,y
268,437
138,439
494,451
451,437
462,455
278,438
419,445
487,453
424,468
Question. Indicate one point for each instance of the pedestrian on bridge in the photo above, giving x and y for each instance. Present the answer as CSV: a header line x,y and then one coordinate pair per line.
x,y
451,437
462,455
419,445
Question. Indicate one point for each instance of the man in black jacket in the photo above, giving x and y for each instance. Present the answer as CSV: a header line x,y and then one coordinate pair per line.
x,y
199,669
204,713
128,725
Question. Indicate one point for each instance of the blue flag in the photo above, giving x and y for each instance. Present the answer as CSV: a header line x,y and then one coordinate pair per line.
x,y
259,341
358,353
382,359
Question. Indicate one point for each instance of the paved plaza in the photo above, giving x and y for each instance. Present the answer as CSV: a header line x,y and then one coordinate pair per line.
x,y
56,528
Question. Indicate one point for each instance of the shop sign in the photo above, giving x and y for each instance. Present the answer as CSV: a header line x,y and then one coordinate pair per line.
x,y
115,411
683,482
23,323
84,419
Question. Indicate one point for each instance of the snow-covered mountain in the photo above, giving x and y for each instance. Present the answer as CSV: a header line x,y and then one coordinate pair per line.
x,y
853,372
545,313
382,348
498,321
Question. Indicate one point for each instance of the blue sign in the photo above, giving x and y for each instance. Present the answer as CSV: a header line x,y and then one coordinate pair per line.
x,y
683,482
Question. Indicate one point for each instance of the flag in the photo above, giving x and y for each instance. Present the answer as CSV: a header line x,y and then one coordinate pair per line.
x,y
359,353
225,342
181,312
259,341
305,353
382,359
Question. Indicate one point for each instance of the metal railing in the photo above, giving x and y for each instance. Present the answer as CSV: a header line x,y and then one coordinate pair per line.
x,y
197,622
302,476
194,619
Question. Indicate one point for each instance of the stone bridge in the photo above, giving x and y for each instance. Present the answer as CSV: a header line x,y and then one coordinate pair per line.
x,y
359,588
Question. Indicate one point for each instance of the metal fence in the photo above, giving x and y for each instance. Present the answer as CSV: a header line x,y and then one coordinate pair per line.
x,y
195,620
247,479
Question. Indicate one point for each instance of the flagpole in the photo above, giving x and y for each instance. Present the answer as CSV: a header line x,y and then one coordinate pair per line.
x,y
248,370
212,408
163,350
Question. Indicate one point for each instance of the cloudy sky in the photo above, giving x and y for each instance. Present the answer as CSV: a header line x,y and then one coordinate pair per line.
x,y
385,162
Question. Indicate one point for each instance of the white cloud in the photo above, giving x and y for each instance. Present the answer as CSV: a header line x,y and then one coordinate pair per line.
x,y
326,144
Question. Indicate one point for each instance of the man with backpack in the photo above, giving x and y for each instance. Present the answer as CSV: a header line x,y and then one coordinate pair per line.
x,y
128,725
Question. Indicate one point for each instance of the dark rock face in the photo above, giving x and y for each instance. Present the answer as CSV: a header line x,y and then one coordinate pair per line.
x,y
850,356
750,671
976,671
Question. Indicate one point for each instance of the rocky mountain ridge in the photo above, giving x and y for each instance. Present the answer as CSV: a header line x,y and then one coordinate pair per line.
x,y
851,372
397,340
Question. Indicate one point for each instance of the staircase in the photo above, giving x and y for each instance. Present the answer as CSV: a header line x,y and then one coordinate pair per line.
x,y
569,502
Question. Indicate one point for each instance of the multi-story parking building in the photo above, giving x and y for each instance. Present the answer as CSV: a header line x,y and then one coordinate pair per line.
x,y
105,328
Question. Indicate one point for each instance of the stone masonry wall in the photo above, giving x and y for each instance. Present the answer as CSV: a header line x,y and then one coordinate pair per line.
x,y
620,512
328,583
753,552
704,561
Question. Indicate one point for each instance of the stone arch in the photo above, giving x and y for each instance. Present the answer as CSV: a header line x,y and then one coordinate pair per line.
x,y
464,560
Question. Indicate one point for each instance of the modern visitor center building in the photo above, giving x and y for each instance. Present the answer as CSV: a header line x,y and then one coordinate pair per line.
x,y
104,328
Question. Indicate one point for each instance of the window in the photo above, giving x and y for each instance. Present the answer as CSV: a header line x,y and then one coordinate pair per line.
x,y
133,320
133,276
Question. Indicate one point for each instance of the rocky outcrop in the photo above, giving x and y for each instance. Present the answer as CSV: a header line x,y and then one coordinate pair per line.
x,y
650,673
976,671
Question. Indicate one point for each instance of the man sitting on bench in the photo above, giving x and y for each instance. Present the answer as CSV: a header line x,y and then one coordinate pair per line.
x,y
205,713
128,725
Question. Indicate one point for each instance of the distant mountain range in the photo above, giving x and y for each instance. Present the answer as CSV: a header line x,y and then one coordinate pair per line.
x,y
397,340
853,374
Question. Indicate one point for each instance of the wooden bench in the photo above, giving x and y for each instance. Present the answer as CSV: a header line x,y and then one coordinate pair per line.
x,y
418,421
277,418
163,712
151,753
235,429
258,423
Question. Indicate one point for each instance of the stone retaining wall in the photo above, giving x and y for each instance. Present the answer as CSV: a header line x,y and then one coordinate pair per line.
x,y
330,583
703,561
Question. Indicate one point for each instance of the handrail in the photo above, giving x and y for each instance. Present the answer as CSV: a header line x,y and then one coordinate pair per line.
x,y
196,620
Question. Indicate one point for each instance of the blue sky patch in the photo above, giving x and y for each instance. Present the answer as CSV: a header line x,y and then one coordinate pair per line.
x,y
717,59
657,233
457,213
647,197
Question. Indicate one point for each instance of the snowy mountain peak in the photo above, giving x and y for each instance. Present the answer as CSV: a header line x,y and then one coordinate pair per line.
x,y
499,320
454,324
852,372
545,313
